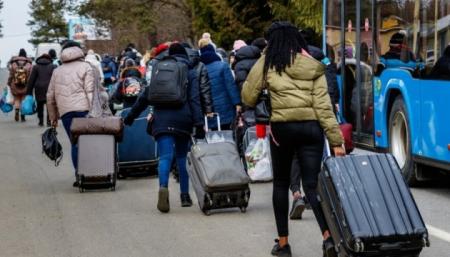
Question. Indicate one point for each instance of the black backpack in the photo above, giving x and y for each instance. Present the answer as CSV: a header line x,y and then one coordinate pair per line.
x,y
51,146
168,86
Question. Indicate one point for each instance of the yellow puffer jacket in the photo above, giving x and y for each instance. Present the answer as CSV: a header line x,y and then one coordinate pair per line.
x,y
299,94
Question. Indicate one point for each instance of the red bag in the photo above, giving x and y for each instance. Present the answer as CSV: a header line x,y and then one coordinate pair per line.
x,y
347,131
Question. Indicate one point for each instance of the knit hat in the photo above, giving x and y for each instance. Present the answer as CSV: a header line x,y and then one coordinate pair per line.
x,y
161,48
238,44
177,49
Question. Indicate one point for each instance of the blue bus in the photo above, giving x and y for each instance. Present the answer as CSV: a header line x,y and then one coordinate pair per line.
x,y
393,59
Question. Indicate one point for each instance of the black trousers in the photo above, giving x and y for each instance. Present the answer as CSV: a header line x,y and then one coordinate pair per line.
x,y
306,140
40,110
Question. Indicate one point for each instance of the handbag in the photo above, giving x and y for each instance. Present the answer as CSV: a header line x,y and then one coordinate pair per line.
x,y
51,146
263,108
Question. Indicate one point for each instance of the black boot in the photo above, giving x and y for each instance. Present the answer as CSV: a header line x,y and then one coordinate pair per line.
x,y
186,200
22,118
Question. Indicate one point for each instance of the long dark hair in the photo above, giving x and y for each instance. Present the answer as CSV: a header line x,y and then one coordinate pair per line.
x,y
284,41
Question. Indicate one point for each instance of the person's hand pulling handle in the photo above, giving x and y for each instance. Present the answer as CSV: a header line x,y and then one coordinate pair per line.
x,y
339,151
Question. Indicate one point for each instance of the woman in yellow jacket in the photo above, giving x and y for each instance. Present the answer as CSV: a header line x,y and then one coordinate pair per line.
x,y
301,114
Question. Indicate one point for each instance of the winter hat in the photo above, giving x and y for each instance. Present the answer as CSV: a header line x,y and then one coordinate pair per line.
x,y
261,43
22,52
206,35
203,42
238,44
177,49
71,43
161,48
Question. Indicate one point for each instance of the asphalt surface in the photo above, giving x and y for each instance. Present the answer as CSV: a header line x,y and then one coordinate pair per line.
x,y
41,214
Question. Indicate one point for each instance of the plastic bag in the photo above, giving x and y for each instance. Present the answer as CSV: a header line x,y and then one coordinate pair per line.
x,y
4,105
28,106
257,157
9,96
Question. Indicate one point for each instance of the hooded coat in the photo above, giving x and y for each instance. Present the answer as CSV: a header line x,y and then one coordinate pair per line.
x,y
224,91
246,57
299,94
40,77
72,85
179,121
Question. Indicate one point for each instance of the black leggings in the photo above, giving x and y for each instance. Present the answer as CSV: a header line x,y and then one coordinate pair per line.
x,y
305,139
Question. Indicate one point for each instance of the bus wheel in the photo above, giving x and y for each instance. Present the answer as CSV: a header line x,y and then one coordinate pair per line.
x,y
399,137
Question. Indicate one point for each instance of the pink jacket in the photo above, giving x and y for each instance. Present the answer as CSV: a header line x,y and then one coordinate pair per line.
x,y
71,86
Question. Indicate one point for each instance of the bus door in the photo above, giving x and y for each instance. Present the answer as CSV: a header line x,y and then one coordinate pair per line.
x,y
350,35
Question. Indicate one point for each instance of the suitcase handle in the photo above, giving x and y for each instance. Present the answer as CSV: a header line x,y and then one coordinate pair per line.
x,y
217,119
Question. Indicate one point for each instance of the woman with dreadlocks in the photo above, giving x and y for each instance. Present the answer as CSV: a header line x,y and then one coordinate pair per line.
x,y
301,114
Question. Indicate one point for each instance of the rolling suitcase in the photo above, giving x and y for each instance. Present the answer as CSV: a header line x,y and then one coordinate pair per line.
x,y
369,208
96,162
137,153
218,176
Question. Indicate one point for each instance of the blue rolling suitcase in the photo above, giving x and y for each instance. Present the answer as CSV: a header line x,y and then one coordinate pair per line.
x,y
137,153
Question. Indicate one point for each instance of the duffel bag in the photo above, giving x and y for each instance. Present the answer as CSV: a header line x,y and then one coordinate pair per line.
x,y
97,126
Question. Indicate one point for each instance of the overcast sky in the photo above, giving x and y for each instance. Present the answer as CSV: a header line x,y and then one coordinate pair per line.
x,y
14,16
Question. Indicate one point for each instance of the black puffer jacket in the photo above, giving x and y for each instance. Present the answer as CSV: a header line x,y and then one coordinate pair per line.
x,y
330,74
40,78
203,79
246,57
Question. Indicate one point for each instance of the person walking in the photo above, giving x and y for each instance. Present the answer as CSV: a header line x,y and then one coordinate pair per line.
x,y
225,94
19,72
38,82
301,114
109,70
70,91
54,57
172,129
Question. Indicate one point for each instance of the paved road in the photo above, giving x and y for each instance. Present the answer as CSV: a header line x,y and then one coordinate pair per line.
x,y
42,215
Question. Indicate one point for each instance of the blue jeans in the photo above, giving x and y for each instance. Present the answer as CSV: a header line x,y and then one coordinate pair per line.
x,y
67,122
168,146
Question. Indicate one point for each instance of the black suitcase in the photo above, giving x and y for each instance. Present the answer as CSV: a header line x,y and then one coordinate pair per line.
x,y
369,208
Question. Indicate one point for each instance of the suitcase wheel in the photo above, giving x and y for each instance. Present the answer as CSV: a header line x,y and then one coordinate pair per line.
x,y
243,209
207,212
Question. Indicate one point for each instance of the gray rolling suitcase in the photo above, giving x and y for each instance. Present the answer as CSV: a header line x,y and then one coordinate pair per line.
x,y
218,176
369,208
97,166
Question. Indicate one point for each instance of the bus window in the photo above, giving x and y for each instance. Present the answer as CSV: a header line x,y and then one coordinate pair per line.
x,y
435,38
396,38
